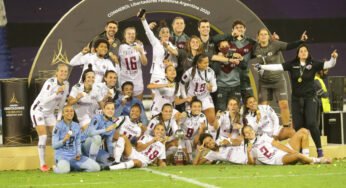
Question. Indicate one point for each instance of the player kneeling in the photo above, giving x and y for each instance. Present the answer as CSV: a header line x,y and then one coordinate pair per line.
x,y
67,145
149,149
265,150
233,152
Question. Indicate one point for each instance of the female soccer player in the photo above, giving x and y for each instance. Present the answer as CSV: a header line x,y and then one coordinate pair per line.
x,y
194,46
67,145
125,101
265,150
200,81
304,106
165,91
129,126
86,98
233,152
52,96
194,124
228,124
97,60
102,126
132,57
263,119
166,118
108,88
163,50
149,148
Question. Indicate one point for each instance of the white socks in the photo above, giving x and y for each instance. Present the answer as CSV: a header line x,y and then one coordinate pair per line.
x,y
125,165
42,148
306,152
118,150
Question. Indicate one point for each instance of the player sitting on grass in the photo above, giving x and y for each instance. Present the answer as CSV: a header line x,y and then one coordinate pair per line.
x,y
129,126
149,148
232,152
262,149
102,126
263,119
67,145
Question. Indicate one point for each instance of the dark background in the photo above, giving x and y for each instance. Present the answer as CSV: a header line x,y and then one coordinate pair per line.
x,y
29,21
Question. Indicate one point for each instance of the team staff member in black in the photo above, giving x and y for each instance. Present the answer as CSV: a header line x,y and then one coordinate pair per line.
x,y
304,105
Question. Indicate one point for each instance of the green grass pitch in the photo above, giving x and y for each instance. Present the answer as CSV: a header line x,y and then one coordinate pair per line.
x,y
223,175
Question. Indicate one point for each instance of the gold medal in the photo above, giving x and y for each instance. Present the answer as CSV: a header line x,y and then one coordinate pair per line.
x,y
300,79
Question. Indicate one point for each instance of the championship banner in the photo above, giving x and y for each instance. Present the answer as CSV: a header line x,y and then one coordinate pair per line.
x,y
15,111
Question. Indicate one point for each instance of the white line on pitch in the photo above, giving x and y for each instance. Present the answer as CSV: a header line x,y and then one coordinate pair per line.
x,y
271,176
188,180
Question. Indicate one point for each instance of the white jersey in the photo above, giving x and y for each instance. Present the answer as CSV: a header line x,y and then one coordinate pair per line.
x,y
226,126
197,84
191,125
163,95
103,89
127,127
157,69
130,65
152,152
233,154
48,100
268,124
99,65
87,105
171,126
265,152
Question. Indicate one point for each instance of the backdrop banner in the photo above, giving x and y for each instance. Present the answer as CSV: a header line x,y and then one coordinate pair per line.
x,y
15,111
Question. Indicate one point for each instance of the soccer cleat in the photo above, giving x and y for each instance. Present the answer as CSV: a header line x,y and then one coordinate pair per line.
x,y
44,168
115,163
105,168
110,159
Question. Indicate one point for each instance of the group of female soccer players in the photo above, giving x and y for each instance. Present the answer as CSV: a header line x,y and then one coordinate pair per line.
x,y
106,138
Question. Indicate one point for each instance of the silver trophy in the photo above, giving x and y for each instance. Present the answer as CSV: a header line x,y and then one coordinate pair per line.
x,y
180,156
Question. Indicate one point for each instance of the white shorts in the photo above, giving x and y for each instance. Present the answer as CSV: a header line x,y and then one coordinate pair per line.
x,y
207,102
138,156
39,118
278,157
276,132
237,155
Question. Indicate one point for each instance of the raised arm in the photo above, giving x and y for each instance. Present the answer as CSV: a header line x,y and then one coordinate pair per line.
x,y
80,58
152,39
271,67
331,63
